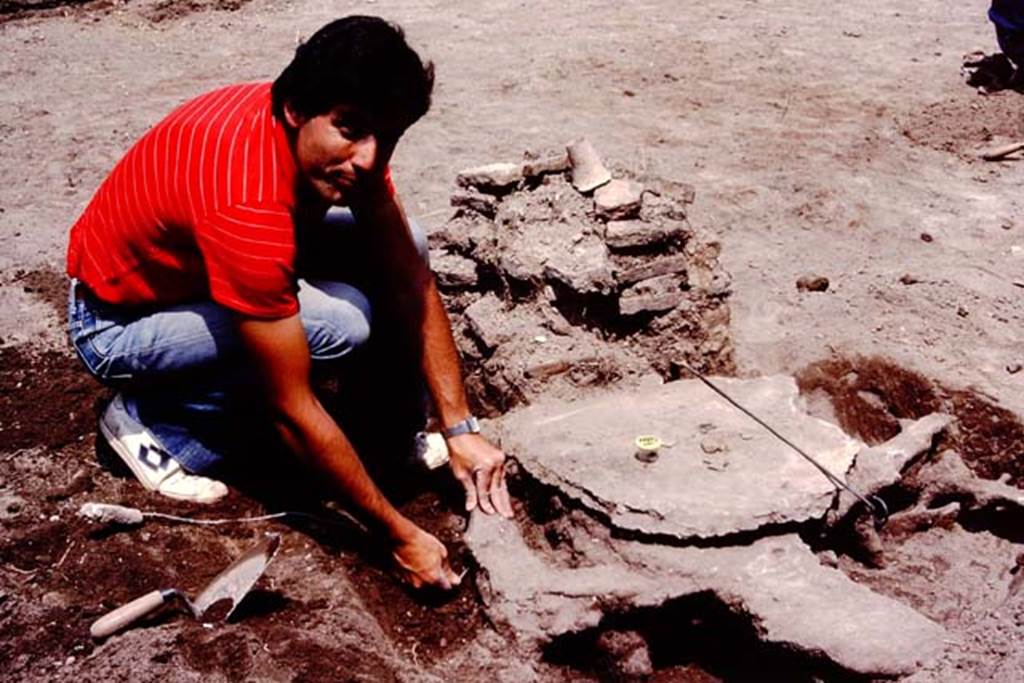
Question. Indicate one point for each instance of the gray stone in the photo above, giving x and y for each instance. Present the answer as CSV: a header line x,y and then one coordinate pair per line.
x,y
881,466
626,654
791,599
483,204
551,163
492,177
666,265
812,283
453,271
585,449
618,200
484,318
634,234
658,294
583,267
588,173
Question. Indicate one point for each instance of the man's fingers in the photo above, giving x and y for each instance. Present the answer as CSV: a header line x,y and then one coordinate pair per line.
x,y
470,486
500,497
483,484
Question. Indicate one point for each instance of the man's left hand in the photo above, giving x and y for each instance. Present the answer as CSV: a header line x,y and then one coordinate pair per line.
x,y
480,468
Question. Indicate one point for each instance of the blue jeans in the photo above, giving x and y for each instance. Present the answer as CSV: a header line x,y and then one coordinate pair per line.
x,y
182,369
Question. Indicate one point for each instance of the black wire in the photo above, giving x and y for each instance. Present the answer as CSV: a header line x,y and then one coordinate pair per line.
x,y
879,509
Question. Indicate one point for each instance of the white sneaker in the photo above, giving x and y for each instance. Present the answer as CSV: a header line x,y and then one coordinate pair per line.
x,y
431,449
149,462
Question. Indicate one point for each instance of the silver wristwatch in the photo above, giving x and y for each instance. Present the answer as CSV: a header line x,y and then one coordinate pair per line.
x,y
468,426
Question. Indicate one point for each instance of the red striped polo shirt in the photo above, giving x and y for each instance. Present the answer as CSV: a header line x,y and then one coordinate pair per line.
x,y
199,208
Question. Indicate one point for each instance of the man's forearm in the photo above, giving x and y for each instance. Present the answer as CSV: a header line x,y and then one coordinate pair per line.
x,y
440,361
313,436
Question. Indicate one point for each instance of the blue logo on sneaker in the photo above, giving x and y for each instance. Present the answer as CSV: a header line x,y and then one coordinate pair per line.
x,y
163,457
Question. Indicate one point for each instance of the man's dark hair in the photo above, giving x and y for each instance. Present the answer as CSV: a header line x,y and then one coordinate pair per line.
x,y
357,61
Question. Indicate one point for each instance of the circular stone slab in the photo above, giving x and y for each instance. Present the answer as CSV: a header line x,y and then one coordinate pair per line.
x,y
721,472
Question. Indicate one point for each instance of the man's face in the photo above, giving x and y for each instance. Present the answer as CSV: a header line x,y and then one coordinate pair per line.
x,y
342,153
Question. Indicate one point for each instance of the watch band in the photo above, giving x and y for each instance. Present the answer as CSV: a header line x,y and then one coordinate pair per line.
x,y
468,426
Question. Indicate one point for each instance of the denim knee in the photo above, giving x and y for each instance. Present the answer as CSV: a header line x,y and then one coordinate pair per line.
x,y
336,317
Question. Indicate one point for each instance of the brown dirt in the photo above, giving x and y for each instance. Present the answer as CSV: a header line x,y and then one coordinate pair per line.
x,y
819,144
870,396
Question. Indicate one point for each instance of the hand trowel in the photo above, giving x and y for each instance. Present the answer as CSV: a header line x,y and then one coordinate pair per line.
x,y
231,584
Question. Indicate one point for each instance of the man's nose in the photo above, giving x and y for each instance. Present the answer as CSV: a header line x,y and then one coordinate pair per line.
x,y
365,156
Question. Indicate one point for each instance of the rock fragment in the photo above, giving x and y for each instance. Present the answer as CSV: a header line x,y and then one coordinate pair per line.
x,y
493,178
483,204
662,293
584,267
484,318
550,163
453,271
812,283
625,654
667,265
624,235
618,200
878,467
588,172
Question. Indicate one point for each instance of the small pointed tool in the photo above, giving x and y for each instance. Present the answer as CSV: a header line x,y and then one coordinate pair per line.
x,y
231,584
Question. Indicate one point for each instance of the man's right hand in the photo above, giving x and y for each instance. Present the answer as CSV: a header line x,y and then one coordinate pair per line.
x,y
423,562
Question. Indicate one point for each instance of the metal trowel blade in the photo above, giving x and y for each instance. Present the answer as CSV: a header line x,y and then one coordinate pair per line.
x,y
238,578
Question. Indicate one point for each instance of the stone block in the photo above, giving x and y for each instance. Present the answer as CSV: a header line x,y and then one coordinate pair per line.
x,y
584,267
812,283
453,271
667,265
624,235
586,448
550,163
485,319
492,177
618,200
655,295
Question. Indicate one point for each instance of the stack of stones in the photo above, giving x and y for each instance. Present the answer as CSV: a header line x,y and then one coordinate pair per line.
x,y
556,244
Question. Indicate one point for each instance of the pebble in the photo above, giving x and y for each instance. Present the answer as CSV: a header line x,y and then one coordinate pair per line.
x,y
962,312
1014,368
926,237
812,283
908,279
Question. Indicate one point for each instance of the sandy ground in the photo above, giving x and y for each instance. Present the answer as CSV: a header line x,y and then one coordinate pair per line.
x,y
834,141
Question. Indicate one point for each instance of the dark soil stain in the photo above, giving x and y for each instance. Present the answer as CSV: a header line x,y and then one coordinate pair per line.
x,y
871,394
46,398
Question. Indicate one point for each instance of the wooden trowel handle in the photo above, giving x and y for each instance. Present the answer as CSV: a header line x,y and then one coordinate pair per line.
x,y
1001,152
128,614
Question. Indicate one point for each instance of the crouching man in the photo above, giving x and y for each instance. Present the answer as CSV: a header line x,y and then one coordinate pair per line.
x,y
190,293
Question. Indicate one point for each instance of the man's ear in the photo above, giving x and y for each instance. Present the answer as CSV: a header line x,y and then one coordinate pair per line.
x,y
292,117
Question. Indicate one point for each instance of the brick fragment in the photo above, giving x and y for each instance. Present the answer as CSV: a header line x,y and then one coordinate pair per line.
x,y
668,265
453,271
478,202
618,200
635,234
485,318
492,177
654,295
550,163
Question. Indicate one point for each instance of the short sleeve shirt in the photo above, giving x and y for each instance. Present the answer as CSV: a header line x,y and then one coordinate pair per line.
x,y
201,207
